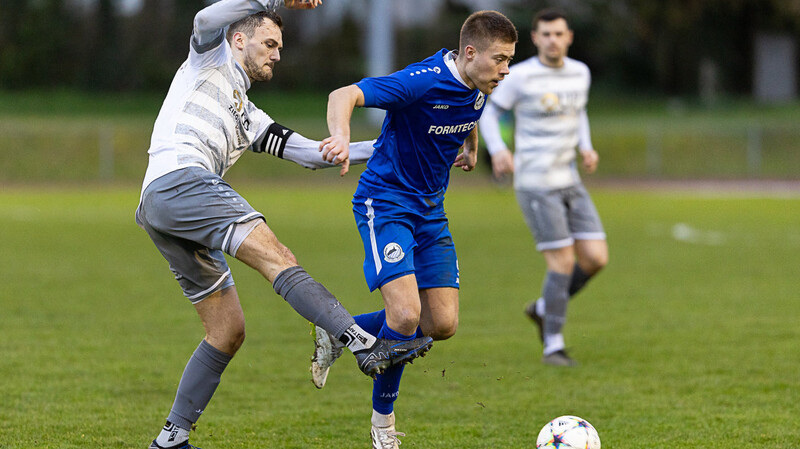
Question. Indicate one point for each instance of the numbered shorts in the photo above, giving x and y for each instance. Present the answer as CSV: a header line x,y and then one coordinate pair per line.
x,y
558,217
190,214
398,242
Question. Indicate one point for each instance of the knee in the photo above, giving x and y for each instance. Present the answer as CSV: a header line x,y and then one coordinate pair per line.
x,y
407,318
595,262
442,330
228,340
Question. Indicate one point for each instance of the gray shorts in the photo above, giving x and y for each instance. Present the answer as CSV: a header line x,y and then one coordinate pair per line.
x,y
559,217
190,214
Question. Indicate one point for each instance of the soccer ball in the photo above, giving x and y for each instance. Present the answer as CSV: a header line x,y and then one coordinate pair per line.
x,y
568,432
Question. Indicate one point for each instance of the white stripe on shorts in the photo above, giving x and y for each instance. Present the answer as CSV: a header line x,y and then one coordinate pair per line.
x,y
209,289
373,243
589,236
555,245
241,219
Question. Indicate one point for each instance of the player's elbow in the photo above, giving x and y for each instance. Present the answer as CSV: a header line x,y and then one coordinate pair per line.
x,y
351,96
201,20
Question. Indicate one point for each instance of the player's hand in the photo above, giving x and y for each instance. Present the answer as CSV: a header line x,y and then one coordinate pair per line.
x,y
466,159
502,163
590,160
336,150
301,4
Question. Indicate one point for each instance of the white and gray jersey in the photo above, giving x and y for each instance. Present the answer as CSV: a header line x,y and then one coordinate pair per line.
x,y
549,107
207,120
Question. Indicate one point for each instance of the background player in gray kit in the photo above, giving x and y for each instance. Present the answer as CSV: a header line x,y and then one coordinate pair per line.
x,y
193,216
548,94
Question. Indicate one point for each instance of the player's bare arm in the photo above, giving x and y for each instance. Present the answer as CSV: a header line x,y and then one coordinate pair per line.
x,y
590,160
301,4
469,152
341,103
502,163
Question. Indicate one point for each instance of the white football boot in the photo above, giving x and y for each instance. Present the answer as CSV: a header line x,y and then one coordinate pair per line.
x,y
326,351
386,437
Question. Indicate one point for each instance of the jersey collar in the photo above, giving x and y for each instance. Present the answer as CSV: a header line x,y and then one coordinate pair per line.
x,y
450,62
243,74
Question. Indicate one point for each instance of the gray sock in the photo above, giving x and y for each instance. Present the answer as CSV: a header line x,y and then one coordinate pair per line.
x,y
198,383
312,301
555,297
579,279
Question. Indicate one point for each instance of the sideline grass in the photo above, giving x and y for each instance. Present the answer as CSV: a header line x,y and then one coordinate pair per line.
x,y
689,339
68,136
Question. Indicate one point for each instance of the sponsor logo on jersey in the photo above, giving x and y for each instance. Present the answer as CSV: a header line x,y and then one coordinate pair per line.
x,y
393,253
479,101
452,129
441,106
237,96
240,117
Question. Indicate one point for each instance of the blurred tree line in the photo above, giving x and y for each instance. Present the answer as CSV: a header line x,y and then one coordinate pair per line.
x,y
631,45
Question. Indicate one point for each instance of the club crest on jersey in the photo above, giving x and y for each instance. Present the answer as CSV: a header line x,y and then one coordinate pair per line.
x,y
393,253
479,101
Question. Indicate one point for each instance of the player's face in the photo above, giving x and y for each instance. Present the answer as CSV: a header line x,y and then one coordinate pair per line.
x,y
553,40
262,51
489,66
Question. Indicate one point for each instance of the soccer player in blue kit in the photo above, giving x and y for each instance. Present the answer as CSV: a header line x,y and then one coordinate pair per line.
x,y
432,111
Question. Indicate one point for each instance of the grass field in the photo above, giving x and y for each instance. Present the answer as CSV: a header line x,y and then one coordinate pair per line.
x,y
72,137
688,339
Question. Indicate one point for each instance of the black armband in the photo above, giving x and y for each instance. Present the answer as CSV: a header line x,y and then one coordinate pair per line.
x,y
274,140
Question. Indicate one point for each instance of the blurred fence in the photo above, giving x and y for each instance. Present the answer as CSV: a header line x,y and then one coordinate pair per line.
x,y
50,150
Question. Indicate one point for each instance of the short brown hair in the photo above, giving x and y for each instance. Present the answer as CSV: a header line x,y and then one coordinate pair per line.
x,y
248,25
484,27
548,15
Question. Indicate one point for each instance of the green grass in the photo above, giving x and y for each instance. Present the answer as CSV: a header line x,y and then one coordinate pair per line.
x,y
683,343
58,136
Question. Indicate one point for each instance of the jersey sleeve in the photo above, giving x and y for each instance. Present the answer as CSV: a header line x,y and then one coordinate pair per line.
x,y
490,129
584,133
397,90
208,34
283,143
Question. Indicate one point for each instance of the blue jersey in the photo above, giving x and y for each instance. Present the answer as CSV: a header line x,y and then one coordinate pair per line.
x,y
430,111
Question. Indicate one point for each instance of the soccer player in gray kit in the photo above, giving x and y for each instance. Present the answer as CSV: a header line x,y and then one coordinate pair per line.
x,y
193,216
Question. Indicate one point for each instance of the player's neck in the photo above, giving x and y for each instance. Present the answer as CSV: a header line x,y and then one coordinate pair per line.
x,y
461,66
553,63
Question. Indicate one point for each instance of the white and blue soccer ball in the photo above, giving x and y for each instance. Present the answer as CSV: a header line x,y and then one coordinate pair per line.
x,y
568,432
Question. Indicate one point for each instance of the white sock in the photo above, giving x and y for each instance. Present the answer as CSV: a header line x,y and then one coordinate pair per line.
x,y
553,343
540,307
172,435
357,339
381,420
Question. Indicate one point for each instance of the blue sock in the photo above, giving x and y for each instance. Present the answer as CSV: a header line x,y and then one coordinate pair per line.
x,y
371,322
386,387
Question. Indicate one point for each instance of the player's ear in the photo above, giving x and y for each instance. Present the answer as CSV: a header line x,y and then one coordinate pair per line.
x,y
237,40
469,52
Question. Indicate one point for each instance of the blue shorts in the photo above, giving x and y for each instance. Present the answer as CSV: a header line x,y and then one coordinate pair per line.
x,y
398,241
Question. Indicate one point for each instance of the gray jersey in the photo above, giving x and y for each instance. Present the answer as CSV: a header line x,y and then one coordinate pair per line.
x,y
206,120
550,121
